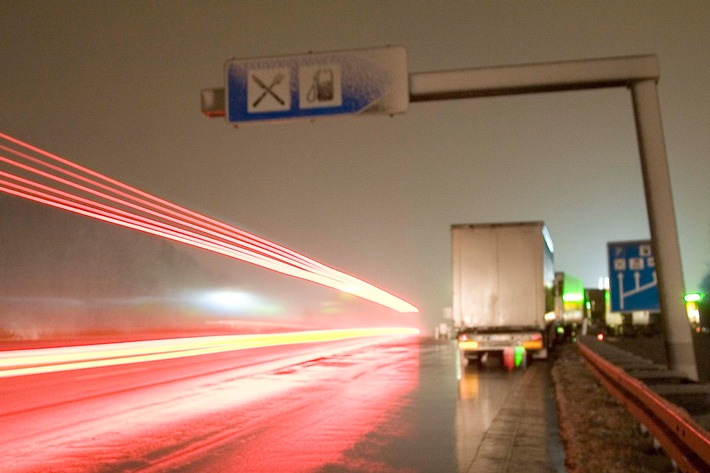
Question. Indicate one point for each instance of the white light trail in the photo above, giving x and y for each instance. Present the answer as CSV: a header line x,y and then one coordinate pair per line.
x,y
50,360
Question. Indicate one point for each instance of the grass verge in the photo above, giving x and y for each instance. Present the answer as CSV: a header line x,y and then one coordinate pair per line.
x,y
598,433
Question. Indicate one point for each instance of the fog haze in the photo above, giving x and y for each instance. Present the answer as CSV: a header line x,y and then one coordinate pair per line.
x,y
115,86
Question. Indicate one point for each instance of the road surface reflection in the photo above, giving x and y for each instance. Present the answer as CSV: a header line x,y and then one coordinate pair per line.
x,y
506,419
296,408
378,405
348,410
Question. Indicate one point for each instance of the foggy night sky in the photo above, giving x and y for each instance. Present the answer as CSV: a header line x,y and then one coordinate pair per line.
x,y
115,86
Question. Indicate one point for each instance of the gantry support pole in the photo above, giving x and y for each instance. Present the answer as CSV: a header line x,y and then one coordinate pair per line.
x,y
664,236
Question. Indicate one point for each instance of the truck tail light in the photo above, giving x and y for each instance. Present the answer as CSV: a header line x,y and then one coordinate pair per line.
x,y
533,342
468,344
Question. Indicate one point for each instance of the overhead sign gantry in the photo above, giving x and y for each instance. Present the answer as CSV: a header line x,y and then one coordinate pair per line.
x,y
640,74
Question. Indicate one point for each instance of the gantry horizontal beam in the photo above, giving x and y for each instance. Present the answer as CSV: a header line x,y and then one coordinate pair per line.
x,y
532,78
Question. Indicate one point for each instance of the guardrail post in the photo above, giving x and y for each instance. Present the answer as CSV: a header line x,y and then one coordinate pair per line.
x,y
662,222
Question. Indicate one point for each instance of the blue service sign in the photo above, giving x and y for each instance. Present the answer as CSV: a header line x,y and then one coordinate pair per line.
x,y
633,282
317,84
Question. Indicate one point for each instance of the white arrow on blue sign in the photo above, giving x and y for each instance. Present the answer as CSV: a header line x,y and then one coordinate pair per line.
x,y
317,84
633,282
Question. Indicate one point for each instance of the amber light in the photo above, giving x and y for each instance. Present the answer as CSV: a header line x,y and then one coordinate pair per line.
x,y
468,345
532,344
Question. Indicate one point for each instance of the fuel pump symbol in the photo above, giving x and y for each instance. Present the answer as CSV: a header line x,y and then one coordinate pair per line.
x,y
323,88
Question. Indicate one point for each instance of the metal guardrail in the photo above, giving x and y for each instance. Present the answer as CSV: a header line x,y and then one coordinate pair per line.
x,y
683,440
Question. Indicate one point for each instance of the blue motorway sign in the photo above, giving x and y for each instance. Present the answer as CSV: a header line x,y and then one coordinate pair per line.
x,y
632,276
316,84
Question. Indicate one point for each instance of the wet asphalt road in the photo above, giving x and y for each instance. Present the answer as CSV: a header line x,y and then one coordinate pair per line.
x,y
407,405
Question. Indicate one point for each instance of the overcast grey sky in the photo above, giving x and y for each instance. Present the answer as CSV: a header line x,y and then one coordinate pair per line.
x,y
115,86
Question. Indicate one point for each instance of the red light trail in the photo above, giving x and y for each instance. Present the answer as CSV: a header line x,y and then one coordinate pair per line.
x,y
176,415
37,175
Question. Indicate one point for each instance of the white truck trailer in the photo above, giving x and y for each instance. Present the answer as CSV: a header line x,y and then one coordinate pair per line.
x,y
503,288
